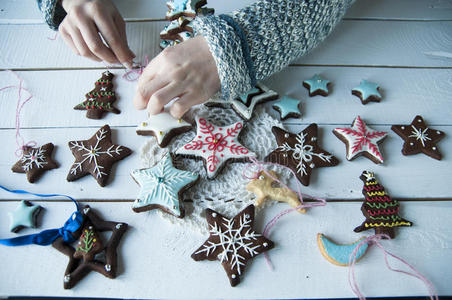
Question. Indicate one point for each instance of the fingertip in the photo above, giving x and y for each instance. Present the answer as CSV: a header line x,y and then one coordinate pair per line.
x,y
154,109
139,102
177,110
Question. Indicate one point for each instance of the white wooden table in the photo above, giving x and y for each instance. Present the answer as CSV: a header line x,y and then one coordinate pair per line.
x,y
386,41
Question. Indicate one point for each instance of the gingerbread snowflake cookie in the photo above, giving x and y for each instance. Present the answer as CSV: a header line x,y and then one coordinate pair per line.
x,y
35,161
360,139
367,91
216,146
300,152
96,156
100,100
162,187
233,242
419,138
91,252
163,127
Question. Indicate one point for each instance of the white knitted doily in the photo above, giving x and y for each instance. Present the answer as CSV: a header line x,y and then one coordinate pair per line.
x,y
226,193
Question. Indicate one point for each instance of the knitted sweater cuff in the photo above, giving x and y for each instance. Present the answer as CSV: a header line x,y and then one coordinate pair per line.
x,y
227,48
53,11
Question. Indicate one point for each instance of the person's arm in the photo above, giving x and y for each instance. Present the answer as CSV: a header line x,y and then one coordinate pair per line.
x,y
80,21
253,43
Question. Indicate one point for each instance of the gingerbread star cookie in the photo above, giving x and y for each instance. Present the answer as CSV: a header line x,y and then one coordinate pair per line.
x,y
233,242
162,187
216,146
317,85
186,8
263,187
91,253
245,104
367,91
96,156
419,138
24,215
35,161
163,127
300,152
288,107
360,139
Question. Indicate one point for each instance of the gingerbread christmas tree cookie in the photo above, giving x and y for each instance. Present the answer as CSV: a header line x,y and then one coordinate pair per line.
x,y
380,210
100,99
233,242
162,187
300,152
96,156
35,161
419,138
216,146
91,253
360,139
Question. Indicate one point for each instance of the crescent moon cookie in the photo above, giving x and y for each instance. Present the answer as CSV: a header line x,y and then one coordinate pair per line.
x,y
367,91
162,187
317,85
263,187
90,253
288,107
419,138
35,161
216,146
163,127
96,156
300,152
25,215
360,139
380,210
339,254
233,242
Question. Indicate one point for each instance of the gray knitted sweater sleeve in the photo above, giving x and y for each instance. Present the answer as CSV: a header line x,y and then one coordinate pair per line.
x,y
253,43
53,12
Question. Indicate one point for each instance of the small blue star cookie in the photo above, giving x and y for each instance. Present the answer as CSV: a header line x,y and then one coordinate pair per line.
x,y
317,85
288,107
367,91
24,215
162,186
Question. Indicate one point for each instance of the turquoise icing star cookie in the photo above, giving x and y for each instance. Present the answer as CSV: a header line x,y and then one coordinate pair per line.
x,y
186,8
317,85
288,107
162,187
367,91
24,215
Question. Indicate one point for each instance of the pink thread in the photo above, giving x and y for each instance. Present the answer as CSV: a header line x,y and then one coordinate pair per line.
x,y
374,240
19,139
138,70
272,222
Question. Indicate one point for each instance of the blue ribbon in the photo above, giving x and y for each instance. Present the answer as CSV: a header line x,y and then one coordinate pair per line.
x,y
47,237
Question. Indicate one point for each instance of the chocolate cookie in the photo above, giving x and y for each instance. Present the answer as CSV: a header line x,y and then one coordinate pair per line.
x,y
233,242
86,257
96,156
317,85
25,215
419,138
300,152
288,107
35,161
360,139
367,91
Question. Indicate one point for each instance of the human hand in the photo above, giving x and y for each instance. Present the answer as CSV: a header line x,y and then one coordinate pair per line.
x,y
84,21
186,70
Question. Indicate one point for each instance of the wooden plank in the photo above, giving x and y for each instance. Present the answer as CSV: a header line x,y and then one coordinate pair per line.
x,y
374,43
26,11
409,178
154,257
406,93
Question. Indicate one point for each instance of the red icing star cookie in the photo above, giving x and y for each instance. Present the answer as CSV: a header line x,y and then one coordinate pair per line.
x,y
216,146
360,139
419,138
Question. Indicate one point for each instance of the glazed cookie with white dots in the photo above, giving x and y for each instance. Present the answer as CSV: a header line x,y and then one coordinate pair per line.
x,y
419,138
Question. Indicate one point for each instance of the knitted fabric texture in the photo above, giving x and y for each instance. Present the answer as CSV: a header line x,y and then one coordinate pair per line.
x,y
276,31
53,12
